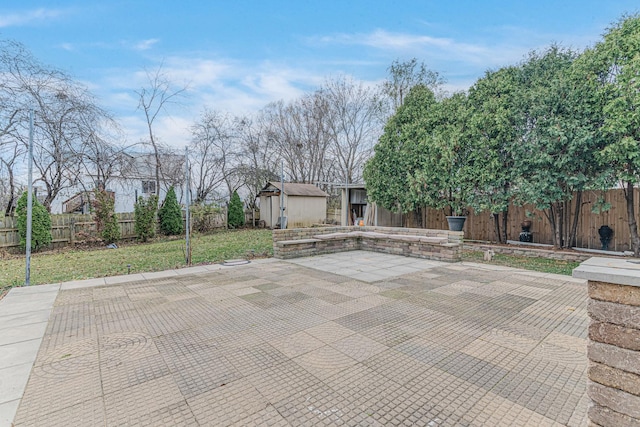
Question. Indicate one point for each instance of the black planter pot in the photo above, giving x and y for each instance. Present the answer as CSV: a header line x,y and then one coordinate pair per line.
x,y
456,222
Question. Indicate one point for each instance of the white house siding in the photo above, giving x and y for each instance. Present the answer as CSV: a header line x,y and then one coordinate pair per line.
x,y
125,194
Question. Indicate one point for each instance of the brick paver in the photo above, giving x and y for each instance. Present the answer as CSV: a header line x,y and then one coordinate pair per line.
x,y
285,344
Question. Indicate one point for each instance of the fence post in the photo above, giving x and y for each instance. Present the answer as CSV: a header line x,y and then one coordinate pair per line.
x,y
72,231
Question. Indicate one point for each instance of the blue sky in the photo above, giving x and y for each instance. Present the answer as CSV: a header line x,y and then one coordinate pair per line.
x,y
239,55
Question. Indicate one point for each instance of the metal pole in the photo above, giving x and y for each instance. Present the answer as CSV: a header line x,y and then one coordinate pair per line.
x,y
282,195
27,276
187,202
346,192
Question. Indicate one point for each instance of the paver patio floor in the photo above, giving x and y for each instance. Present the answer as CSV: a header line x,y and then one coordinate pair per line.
x,y
284,344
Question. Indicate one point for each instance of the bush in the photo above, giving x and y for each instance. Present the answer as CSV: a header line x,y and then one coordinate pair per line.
x,y
40,224
235,216
145,217
170,214
203,217
105,217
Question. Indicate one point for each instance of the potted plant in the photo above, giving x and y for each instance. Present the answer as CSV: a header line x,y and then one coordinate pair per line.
x,y
450,195
457,218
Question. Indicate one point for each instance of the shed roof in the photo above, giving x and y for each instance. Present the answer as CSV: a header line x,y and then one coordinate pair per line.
x,y
294,189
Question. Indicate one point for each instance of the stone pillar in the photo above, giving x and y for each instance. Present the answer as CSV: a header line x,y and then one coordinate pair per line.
x,y
614,340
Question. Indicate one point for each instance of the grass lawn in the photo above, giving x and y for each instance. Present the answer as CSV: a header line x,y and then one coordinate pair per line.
x,y
65,265
544,265
163,254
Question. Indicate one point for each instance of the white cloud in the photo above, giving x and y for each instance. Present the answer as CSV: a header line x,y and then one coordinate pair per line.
x,y
381,39
28,17
198,72
134,127
174,130
434,48
499,46
219,84
242,87
145,44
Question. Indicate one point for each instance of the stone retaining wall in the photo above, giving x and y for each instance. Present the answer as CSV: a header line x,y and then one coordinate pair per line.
x,y
614,341
528,252
451,250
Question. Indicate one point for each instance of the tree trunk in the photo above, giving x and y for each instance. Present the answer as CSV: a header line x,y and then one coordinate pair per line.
x,y
496,223
12,192
576,215
631,218
565,221
553,218
417,217
158,166
558,213
505,217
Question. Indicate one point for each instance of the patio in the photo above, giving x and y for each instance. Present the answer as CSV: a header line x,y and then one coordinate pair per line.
x,y
356,338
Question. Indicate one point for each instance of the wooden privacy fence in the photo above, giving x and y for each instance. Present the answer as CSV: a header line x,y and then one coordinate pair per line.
x,y
482,227
68,229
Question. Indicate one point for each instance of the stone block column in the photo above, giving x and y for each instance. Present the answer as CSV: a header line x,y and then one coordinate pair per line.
x,y
614,340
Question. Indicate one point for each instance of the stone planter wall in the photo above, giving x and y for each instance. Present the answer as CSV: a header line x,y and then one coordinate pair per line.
x,y
528,252
297,242
614,341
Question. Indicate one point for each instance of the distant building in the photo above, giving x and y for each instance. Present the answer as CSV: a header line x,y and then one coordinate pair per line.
x,y
135,177
305,204
355,207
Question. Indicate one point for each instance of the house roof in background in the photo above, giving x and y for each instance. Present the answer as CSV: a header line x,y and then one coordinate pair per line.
x,y
354,186
295,189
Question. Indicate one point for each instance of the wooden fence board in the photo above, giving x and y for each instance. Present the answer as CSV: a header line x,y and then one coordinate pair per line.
x,y
83,228
481,226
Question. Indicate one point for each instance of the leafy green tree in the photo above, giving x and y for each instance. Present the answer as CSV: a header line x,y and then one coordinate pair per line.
x,y
145,217
396,153
105,217
527,133
40,223
494,129
556,155
421,159
235,215
614,66
442,178
170,214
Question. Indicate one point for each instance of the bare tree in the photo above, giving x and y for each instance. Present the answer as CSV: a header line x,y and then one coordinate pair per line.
x,y
66,115
9,190
300,133
103,157
172,167
259,160
15,61
355,120
213,153
405,75
154,100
